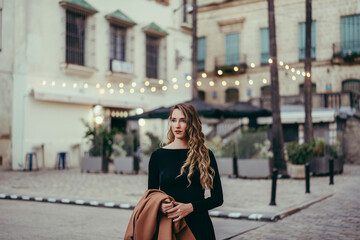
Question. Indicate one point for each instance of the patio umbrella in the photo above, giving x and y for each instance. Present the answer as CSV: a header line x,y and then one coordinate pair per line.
x,y
204,109
243,109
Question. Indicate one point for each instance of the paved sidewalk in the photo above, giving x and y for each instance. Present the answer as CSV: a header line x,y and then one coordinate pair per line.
x,y
240,195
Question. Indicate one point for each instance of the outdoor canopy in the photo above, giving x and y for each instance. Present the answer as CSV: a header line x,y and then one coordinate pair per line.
x,y
208,110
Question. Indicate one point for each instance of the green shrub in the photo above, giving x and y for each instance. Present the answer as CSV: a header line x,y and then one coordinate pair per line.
x,y
299,153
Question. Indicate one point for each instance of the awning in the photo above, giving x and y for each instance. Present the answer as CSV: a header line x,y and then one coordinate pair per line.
x,y
77,98
119,18
154,29
296,114
78,6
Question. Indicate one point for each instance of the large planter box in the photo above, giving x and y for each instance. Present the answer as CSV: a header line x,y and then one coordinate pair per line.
x,y
320,165
144,164
247,168
91,164
296,171
254,168
124,164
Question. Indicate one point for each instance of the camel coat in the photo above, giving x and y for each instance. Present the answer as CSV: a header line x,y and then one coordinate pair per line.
x,y
146,219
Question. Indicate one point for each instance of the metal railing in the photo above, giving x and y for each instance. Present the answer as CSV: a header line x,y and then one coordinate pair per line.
x,y
347,48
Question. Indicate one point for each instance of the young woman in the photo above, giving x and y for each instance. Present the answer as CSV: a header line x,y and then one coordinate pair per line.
x,y
183,169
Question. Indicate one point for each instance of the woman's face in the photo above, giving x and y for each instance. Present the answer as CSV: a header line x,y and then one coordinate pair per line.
x,y
178,124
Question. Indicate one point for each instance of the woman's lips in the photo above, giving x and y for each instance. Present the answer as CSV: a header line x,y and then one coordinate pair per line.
x,y
178,132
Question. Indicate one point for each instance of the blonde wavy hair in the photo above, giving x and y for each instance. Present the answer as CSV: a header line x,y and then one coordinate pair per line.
x,y
198,155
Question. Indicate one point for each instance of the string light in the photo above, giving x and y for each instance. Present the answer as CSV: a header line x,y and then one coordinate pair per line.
x,y
133,84
236,69
292,69
308,74
43,83
298,72
111,91
98,85
187,84
147,83
121,91
63,84
293,78
102,91
174,80
251,82
188,77
287,67
176,86
224,83
164,88
270,61
211,83
75,85
53,83
199,83
303,73
86,85
252,65
153,89
121,85
142,90
237,82
161,81
203,75
132,90
281,63
264,80
220,72
108,85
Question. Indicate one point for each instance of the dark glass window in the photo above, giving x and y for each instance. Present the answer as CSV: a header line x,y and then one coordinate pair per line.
x,y
232,95
117,43
152,56
313,88
351,85
75,37
202,95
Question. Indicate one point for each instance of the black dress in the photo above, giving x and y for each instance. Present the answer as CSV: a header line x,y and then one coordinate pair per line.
x,y
164,167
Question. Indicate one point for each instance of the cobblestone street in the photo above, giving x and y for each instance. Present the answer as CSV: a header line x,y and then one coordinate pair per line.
x,y
336,217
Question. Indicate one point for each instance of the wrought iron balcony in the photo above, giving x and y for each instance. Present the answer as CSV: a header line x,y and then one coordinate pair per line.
x,y
230,64
346,52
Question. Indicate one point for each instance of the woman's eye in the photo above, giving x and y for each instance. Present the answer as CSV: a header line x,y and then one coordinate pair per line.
x,y
183,120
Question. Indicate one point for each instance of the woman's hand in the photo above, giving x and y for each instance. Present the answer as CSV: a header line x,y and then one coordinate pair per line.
x,y
180,211
166,205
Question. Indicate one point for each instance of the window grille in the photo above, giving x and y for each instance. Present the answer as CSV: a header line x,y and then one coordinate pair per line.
x,y
75,37
152,56
117,43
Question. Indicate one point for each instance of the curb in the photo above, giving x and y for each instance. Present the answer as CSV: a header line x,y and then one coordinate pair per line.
x,y
265,217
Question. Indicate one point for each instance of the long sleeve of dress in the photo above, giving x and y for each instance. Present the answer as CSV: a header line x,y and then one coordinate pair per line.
x,y
216,198
153,173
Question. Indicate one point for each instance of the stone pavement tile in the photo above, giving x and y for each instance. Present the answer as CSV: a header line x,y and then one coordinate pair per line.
x,y
239,194
337,217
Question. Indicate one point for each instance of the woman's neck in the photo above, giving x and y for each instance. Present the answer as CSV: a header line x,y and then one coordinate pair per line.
x,y
178,143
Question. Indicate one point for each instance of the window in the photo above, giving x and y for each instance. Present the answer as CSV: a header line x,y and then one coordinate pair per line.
x,y
75,37
350,34
266,91
264,46
351,85
232,49
313,88
302,40
117,43
152,56
201,54
202,95
231,95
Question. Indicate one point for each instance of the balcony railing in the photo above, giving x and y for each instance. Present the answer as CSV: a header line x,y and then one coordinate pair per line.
x,y
347,51
231,64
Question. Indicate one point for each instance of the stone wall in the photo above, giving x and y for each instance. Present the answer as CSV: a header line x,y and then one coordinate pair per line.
x,y
352,140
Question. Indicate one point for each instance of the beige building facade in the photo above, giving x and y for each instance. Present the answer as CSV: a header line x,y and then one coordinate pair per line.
x,y
219,19
61,58
233,62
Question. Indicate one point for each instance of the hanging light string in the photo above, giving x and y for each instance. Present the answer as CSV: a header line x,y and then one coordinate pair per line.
x,y
109,88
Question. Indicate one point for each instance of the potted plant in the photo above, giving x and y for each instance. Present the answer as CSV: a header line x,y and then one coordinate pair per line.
x,y
322,152
123,153
298,155
154,144
101,140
